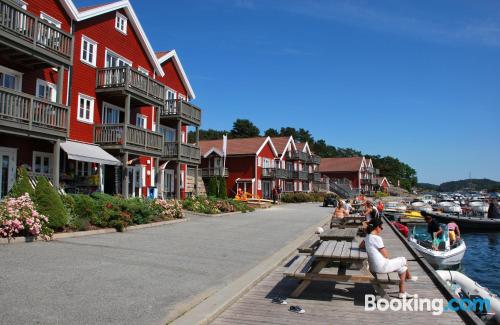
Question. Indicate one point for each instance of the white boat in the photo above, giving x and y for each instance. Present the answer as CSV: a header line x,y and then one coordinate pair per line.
x,y
450,207
464,286
421,206
445,255
395,207
427,198
479,206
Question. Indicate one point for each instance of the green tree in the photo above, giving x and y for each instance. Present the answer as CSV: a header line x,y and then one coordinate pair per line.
x,y
243,128
222,188
213,187
272,133
49,203
22,184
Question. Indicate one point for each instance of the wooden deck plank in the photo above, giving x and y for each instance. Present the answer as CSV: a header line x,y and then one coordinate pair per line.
x,y
337,253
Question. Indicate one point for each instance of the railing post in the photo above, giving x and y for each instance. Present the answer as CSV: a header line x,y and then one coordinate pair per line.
x,y
30,112
127,76
127,119
35,30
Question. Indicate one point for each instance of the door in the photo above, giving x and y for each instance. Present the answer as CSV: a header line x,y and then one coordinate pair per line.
x,y
266,190
8,157
168,189
135,181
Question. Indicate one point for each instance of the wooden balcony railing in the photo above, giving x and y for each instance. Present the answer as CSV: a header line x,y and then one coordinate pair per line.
x,y
370,170
298,155
29,28
315,177
213,172
136,138
28,112
129,78
314,160
178,108
275,173
301,175
188,152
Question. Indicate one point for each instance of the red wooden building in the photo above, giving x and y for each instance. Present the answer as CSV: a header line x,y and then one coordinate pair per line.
x,y
357,171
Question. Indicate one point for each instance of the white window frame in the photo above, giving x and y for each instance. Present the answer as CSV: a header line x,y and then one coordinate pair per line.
x,y
143,117
259,162
118,19
182,179
118,56
50,19
90,120
94,52
143,70
181,97
267,163
106,105
22,4
42,155
84,168
46,84
16,74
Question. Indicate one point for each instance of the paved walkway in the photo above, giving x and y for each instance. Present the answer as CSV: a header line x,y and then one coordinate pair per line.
x,y
141,276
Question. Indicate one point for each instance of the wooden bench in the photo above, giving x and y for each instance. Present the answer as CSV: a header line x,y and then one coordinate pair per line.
x,y
309,246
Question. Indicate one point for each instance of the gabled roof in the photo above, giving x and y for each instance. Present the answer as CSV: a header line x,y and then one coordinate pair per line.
x,y
351,164
304,147
282,143
163,56
94,11
244,146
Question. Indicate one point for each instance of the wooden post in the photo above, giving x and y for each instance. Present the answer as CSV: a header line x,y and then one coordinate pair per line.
x,y
125,178
196,192
60,84
127,119
178,182
55,164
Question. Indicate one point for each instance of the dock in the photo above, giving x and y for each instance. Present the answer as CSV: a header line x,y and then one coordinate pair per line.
x,y
343,303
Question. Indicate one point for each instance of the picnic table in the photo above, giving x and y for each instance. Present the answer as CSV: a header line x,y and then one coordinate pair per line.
x,y
347,234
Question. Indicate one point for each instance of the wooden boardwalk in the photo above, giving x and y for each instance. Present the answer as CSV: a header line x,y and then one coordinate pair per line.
x,y
334,303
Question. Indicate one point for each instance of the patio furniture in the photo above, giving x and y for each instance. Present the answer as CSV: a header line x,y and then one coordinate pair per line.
x,y
347,234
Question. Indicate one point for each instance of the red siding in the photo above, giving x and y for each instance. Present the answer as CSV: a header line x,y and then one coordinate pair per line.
x,y
53,8
172,78
25,147
239,167
352,176
266,152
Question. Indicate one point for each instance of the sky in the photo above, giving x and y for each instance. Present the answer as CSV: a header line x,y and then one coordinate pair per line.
x,y
418,80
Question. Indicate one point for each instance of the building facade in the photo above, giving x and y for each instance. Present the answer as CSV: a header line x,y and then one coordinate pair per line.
x,y
353,173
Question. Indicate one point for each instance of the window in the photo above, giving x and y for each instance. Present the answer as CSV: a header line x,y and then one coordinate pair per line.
x,y
143,71
21,4
168,133
182,179
85,108
114,60
141,121
88,53
267,162
45,90
110,113
42,163
84,168
121,23
259,185
259,161
153,176
182,97
10,78
50,20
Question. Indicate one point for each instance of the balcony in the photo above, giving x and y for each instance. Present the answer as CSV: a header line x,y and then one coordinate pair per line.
x,y
369,170
145,90
301,175
274,173
33,39
314,160
315,177
214,172
187,153
180,109
24,114
298,155
128,138
365,181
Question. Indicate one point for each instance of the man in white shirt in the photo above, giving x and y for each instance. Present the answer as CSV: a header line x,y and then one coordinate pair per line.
x,y
378,257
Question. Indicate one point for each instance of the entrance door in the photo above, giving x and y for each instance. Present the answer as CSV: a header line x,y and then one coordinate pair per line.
x,y
266,190
168,189
8,157
135,181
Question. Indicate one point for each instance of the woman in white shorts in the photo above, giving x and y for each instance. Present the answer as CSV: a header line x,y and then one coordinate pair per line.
x,y
378,257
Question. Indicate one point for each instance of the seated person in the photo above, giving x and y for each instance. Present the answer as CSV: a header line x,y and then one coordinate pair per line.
x,y
453,232
340,211
370,214
433,229
378,257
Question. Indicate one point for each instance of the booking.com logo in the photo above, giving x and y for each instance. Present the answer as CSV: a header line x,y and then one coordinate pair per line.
x,y
436,306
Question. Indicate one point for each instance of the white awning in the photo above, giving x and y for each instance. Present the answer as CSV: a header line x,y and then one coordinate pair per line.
x,y
89,153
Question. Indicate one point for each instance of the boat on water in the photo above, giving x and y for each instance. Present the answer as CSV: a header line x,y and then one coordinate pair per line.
x,y
466,222
465,287
421,206
449,207
439,253
479,207
398,207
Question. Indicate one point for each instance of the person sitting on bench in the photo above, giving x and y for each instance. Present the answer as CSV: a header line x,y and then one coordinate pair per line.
x,y
378,257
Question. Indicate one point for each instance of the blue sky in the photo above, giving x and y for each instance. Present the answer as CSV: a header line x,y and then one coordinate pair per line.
x,y
418,80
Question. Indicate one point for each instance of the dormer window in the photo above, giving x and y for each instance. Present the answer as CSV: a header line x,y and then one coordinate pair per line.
x,y
121,23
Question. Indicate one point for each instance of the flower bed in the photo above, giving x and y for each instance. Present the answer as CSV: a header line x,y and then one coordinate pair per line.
x,y
211,205
301,197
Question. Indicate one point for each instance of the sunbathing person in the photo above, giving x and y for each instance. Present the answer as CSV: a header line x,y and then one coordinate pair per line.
x,y
378,257
340,211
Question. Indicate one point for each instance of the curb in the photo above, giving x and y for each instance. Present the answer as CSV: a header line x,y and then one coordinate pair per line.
x,y
187,212
24,240
205,311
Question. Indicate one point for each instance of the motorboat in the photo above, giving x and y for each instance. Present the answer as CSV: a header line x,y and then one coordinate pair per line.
x,y
449,207
421,206
427,198
479,207
469,222
440,253
397,207
465,287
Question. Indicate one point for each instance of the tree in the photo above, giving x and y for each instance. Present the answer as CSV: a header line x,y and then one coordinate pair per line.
x,y
22,184
272,133
49,203
222,188
213,187
243,128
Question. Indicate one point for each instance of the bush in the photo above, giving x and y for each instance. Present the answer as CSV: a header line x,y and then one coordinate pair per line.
x,y
381,194
49,203
300,197
213,187
22,184
222,188
211,205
